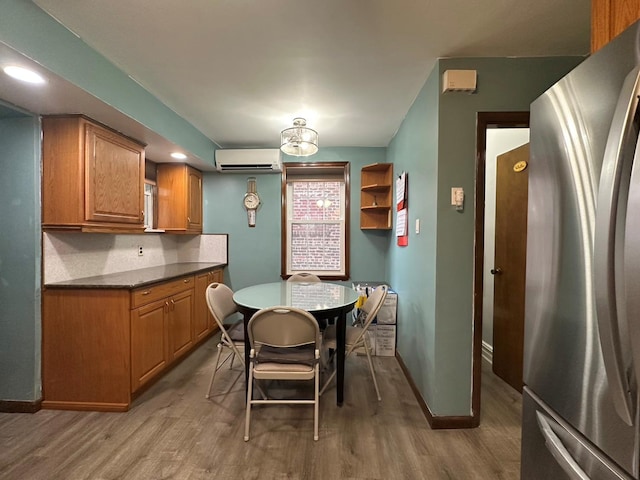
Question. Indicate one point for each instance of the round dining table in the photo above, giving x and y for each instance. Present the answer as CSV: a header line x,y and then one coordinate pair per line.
x,y
324,300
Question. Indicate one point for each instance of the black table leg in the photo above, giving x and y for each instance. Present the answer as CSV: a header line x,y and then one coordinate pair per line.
x,y
247,350
341,327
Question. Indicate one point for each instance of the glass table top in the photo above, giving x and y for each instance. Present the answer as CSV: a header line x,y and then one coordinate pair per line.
x,y
312,297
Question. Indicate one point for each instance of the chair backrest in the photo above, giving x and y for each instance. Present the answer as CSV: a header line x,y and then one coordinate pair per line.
x,y
372,305
220,302
283,327
304,277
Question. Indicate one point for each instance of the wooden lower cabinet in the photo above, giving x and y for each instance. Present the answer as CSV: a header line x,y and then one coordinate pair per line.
x,y
179,323
203,322
85,349
149,342
101,346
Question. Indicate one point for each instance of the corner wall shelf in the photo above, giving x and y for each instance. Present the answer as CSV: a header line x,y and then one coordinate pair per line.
x,y
376,188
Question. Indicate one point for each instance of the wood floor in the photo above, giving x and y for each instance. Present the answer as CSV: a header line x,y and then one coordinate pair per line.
x,y
173,432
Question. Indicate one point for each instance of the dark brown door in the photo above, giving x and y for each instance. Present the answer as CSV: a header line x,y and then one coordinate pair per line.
x,y
509,265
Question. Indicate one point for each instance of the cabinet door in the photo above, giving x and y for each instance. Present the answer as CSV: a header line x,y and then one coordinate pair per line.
x,y
148,342
179,198
609,18
201,325
180,320
114,176
194,199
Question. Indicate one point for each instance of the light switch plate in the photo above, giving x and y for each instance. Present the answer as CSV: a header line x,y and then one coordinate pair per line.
x,y
454,193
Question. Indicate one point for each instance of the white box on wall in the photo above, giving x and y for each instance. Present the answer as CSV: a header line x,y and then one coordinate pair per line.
x,y
385,340
459,81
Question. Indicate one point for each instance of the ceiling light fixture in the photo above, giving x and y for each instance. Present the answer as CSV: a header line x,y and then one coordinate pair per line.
x,y
178,155
299,140
23,74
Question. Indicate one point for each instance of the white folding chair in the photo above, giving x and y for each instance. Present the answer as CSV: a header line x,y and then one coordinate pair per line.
x,y
356,336
221,305
285,345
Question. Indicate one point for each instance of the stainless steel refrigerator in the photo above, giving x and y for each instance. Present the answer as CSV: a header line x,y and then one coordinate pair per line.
x,y
582,309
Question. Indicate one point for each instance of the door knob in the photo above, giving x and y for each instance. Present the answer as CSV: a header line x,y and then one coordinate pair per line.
x,y
496,271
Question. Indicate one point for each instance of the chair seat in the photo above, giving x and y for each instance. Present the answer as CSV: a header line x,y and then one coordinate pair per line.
x,y
271,367
236,331
304,355
300,360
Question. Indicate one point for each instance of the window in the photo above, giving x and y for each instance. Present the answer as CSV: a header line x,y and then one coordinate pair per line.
x,y
315,219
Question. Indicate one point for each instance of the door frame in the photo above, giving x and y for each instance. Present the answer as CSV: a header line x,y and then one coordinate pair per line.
x,y
484,120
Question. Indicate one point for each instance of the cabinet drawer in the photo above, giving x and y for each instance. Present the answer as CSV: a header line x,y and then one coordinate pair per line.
x,y
142,296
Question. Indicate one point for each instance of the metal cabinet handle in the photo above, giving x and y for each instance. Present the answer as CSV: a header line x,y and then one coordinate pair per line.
x,y
559,451
496,271
187,280
146,292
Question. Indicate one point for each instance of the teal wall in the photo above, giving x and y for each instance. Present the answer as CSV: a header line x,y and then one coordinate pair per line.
x,y
436,145
20,258
254,253
412,269
32,32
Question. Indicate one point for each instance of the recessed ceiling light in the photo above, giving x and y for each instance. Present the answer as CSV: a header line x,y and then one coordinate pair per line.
x,y
178,155
23,74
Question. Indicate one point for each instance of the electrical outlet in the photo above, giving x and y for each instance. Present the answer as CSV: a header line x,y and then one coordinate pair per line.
x,y
140,251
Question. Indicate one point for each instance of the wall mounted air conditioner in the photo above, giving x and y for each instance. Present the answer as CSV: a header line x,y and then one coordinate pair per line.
x,y
256,160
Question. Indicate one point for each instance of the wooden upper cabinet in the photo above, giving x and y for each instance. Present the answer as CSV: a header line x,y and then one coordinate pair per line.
x,y
92,177
179,198
609,18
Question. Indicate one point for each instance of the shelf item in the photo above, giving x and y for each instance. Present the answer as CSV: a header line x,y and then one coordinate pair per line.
x,y
92,177
376,190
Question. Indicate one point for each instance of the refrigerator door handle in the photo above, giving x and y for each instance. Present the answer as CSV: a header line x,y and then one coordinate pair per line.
x,y
622,136
632,263
559,451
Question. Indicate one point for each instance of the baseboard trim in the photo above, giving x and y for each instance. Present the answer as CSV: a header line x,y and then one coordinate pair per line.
x,y
14,406
436,422
487,352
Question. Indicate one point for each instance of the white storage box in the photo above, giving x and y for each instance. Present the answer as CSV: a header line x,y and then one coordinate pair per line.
x,y
387,313
385,340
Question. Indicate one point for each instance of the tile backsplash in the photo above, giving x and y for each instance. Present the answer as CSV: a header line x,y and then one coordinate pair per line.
x,y
67,256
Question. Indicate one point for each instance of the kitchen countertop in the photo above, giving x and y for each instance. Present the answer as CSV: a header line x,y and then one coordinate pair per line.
x,y
138,278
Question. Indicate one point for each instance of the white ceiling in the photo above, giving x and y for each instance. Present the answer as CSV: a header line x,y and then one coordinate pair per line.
x,y
241,70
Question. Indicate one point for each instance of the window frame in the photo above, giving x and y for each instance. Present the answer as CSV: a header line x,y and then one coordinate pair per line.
x,y
315,168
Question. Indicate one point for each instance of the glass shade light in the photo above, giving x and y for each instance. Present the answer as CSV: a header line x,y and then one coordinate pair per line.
x,y
299,140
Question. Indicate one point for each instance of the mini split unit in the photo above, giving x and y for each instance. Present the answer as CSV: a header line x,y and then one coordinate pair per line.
x,y
253,160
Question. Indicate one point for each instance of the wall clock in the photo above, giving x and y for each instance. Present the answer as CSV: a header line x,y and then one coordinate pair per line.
x,y
251,201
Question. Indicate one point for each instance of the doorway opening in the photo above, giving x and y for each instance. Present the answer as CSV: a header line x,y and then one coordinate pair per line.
x,y
487,123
